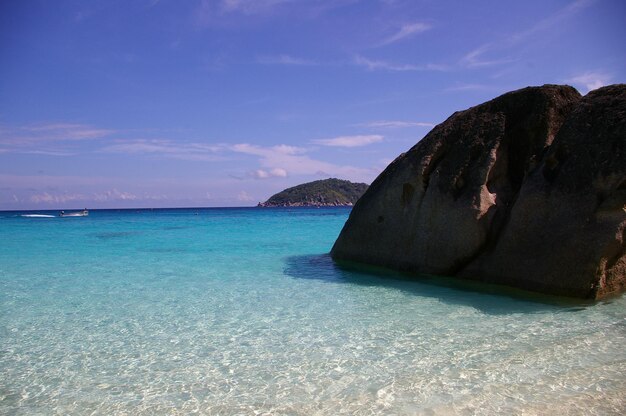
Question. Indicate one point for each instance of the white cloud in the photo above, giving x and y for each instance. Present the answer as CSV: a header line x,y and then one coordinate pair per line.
x,y
47,152
469,87
67,131
285,60
590,80
476,57
64,197
374,65
250,6
261,174
407,31
350,141
33,136
281,149
48,198
219,12
282,160
243,196
280,173
48,181
60,139
114,195
395,124
210,12
167,148
266,174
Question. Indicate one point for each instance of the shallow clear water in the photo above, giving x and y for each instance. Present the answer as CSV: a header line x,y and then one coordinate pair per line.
x,y
240,311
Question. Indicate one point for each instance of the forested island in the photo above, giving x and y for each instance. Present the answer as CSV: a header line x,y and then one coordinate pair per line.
x,y
327,192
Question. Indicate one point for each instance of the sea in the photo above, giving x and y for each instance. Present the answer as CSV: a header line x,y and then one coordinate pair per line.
x,y
241,311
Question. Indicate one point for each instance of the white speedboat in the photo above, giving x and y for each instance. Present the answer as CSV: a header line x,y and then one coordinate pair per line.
x,y
82,213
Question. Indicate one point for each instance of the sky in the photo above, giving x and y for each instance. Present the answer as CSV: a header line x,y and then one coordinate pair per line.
x,y
201,103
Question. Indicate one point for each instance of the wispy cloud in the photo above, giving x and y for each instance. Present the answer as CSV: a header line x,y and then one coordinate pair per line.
x,y
47,152
208,12
285,60
395,124
283,160
374,65
350,141
243,196
406,31
358,60
167,148
483,55
469,87
50,181
475,58
266,174
64,197
67,131
48,198
552,20
590,80
26,136
281,149
212,12
68,139
114,195
250,6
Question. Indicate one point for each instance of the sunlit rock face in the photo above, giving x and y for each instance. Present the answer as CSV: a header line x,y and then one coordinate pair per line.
x,y
526,190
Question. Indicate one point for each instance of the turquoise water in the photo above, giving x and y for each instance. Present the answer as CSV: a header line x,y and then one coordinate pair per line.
x,y
240,311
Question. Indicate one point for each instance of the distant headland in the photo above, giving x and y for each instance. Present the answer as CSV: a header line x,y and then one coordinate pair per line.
x,y
326,193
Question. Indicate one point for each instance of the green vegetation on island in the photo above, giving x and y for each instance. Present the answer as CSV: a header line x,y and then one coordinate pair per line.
x,y
326,192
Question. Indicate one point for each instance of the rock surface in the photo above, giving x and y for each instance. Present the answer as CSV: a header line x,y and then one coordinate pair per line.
x,y
526,190
326,192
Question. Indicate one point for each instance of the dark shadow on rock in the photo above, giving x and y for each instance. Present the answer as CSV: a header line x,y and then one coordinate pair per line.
x,y
490,299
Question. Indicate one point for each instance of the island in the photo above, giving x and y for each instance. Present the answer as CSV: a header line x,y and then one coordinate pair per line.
x,y
322,193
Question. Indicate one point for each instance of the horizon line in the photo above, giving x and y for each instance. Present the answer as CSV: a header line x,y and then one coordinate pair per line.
x,y
164,208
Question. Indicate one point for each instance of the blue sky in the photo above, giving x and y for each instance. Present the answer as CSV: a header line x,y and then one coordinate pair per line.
x,y
147,103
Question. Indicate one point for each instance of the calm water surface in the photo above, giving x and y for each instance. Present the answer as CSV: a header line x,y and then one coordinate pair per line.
x,y
241,311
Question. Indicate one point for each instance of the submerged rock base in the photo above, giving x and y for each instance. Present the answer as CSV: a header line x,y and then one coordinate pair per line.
x,y
526,190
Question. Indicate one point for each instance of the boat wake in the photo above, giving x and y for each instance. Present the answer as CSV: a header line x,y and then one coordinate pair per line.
x,y
37,216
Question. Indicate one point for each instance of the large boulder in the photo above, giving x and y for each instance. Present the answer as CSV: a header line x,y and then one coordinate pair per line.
x,y
527,190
